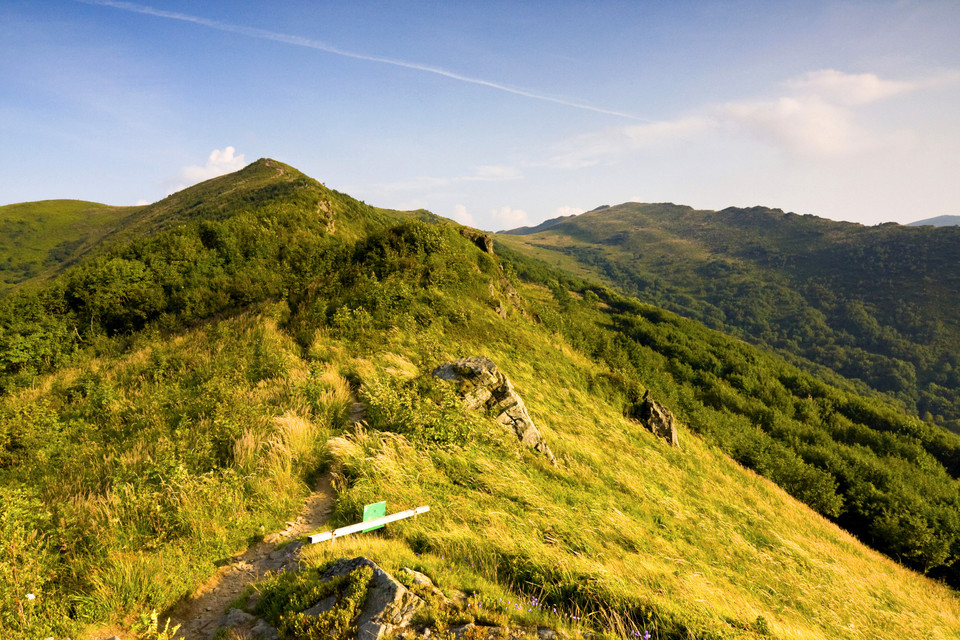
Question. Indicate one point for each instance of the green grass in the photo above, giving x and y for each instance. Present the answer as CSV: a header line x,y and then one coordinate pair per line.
x,y
39,238
145,468
625,533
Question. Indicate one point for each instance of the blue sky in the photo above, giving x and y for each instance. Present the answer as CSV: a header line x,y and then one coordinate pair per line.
x,y
497,114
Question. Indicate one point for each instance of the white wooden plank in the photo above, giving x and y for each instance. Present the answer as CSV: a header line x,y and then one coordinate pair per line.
x,y
360,526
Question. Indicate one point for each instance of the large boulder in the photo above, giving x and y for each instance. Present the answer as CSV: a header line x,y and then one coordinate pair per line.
x,y
483,387
388,605
658,420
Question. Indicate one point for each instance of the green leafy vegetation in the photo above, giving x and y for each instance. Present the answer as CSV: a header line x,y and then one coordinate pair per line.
x,y
875,304
169,398
284,598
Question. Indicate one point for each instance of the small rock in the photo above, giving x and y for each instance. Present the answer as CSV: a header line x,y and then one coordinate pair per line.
x,y
373,630
389,604
483,241
546,633
263,631
322,607
658,420
235,618
458,596
459,632
418,578
485,388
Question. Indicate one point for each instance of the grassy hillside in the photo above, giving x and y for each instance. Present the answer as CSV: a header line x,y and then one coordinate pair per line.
x,y
871,303
171,429
39,237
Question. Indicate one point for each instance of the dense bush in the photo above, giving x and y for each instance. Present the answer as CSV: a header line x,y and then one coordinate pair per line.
x,y
422,409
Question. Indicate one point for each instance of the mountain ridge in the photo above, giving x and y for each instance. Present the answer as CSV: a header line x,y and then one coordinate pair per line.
x,y
172,395
869,302
938,221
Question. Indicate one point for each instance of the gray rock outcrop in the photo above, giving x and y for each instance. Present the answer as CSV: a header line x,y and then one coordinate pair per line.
x,y
658,419
389,604
483,241
483,387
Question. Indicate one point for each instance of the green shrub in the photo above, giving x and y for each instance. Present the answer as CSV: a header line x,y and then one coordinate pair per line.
x,y
284,598
423,409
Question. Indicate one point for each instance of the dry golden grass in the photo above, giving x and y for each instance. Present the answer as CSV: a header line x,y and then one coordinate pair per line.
x,y
689,534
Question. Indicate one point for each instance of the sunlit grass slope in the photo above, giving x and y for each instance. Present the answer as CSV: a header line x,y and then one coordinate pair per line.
x,y
625,533
130,476
39,237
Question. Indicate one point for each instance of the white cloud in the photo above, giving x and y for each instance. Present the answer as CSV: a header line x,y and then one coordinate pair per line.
x,y
849,89
807,127
820,117
461,215
610,144
509,218
218,163
141,203
644,135
817,117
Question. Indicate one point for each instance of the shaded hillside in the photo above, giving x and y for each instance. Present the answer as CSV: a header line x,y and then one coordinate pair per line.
x,y
171,397
871,303
38,238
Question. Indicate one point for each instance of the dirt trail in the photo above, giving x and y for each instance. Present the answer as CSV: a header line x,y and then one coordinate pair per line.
x,y
200,615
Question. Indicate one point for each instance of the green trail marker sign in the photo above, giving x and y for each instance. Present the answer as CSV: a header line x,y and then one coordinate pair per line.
x,y
373,512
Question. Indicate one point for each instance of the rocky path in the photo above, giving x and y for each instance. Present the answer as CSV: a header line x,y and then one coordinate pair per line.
x,y
200,615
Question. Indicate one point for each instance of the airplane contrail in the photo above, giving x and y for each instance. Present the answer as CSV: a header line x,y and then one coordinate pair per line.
x,y
299,41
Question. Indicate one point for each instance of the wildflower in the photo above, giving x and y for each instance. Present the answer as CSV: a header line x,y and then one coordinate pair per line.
x,y
646,635
30,596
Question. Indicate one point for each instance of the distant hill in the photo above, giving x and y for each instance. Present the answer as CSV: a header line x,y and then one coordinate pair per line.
x,y
543,226
41,237
939,221
876,304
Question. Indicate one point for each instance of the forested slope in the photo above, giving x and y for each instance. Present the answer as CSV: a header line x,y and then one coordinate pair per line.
x,y
875,304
